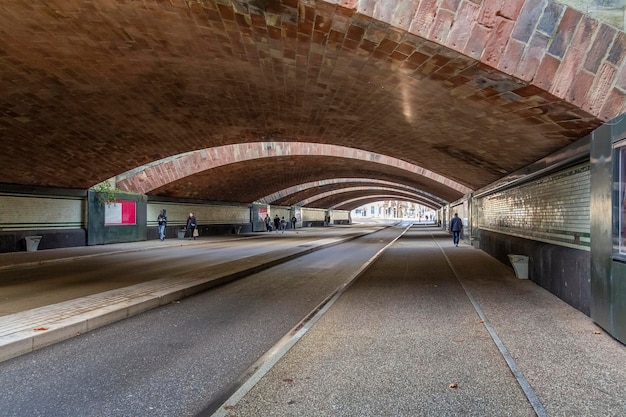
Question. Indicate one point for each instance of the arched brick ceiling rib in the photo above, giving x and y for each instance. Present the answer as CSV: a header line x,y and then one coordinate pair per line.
x,y
334,199
469,90
292,195
248,181
341,192
159,173
360,201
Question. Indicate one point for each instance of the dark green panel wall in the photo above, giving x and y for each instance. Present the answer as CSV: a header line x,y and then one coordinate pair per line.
x,y
99,234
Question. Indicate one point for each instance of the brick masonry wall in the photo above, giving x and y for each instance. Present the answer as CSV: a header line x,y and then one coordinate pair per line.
x,y
611,12
554,47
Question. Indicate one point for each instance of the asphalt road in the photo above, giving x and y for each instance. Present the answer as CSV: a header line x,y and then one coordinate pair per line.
x,y
178,359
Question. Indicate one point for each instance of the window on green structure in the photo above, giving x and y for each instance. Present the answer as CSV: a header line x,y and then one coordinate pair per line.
x,y
619,199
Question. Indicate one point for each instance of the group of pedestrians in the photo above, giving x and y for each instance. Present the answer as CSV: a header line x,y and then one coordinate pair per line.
x,y
279,223
191,227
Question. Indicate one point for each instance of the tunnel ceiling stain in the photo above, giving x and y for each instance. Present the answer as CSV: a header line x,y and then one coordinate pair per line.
x,y
89,90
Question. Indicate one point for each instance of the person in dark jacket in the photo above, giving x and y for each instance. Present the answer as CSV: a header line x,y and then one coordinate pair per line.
x,y
268,223
456,225
162,221
293,222
191,226
276,223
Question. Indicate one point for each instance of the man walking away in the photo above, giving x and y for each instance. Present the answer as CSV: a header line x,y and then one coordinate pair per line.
x,y
456,225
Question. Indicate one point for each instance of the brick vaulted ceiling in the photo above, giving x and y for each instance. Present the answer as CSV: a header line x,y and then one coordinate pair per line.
x,y
470,90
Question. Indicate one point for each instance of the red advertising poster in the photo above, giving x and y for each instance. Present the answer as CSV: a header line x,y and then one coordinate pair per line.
x,y
262,213
120,213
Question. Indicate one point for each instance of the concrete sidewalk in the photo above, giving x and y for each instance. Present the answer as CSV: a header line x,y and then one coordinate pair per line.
x,y
436,330
32,329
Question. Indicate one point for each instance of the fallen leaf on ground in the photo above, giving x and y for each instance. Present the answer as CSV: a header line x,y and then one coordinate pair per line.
x,y
288,380
40,329
597,332
453,385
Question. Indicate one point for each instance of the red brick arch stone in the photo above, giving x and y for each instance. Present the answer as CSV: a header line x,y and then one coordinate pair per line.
x,y
550,45
149,177
315,184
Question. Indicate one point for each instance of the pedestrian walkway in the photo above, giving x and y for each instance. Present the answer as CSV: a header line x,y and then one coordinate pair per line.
x,y
34,328
437,330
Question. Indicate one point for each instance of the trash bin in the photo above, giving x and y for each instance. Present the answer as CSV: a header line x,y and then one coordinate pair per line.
x,y
181,233
520,265
32,243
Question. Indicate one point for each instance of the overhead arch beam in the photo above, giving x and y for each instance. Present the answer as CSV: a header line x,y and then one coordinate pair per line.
x,y
158,173
392,191
269,199
352,203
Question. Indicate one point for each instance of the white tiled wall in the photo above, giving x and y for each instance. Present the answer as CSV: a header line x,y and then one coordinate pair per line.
x,y
553,209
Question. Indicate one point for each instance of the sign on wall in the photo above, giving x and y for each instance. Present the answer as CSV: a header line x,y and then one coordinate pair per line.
x,y
120,213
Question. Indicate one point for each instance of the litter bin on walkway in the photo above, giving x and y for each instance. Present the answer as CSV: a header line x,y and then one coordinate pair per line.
x,y
181,233
520,265
32,243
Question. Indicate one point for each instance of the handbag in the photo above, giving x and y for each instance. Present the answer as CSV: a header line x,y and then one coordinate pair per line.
x,y
195,233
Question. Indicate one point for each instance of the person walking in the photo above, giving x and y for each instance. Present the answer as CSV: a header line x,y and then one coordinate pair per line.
x,y
276,223
293,222
283,224
162,221
456,225
268,223
191,226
